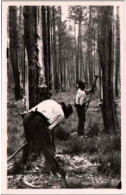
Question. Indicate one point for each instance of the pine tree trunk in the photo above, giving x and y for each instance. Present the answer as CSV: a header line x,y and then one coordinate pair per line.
x,y
54,49
60,48
20,43
39,48
105,54
51,48
29,37
44,34
26,81
78,53
48,48
117,72
90,47
75,53
14,51
46,42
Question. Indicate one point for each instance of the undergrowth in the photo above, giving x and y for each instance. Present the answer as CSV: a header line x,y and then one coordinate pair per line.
x,y
102,149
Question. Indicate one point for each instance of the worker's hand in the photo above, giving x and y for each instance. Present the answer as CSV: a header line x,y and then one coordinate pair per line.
x,y
92,90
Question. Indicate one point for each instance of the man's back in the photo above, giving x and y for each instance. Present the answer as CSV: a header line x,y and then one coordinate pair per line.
x,y
50,109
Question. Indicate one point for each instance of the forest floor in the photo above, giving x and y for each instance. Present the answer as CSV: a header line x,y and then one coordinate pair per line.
x,y
93,161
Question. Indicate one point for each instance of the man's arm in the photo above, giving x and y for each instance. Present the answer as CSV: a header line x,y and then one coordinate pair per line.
x,y
58,120
88,91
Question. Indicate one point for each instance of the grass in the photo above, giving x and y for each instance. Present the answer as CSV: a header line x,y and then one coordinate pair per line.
x,y
15,128
110,164
101,148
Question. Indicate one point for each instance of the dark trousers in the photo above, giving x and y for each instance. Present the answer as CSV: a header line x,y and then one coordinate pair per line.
x,y
81,119
36,129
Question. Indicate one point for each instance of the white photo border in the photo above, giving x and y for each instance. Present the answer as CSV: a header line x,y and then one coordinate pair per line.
x,y
5,190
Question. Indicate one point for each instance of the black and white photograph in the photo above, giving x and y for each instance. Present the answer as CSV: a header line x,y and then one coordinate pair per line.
x,y
62,97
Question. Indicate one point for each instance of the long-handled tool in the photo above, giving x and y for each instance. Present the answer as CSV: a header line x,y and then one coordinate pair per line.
x,y
93,88
17,152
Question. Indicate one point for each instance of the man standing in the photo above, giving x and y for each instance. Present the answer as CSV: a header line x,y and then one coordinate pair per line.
x,y
80,105
39,124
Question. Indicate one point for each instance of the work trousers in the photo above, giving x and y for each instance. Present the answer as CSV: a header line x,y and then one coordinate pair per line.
x,y
81,119
36,129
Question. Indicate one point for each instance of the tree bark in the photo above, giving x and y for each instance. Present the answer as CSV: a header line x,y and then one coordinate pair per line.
x,y
117,72
46,42
105,55
48,48
29,37
90,47
60,48
14,51
26,82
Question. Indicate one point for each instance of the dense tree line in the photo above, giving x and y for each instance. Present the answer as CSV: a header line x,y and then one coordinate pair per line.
x,y
45,50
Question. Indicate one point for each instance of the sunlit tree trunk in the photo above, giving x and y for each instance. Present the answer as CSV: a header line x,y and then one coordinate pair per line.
x,y
78,52
90,63
75,46
54,49
26,81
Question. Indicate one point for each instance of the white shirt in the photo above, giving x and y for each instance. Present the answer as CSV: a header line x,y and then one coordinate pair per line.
x,y
52,111
80,97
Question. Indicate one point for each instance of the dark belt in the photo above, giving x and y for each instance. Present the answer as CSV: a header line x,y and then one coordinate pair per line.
x,y
36,113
